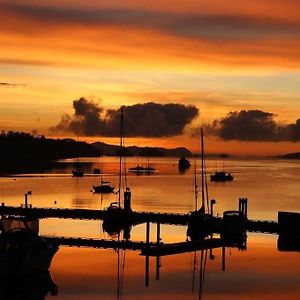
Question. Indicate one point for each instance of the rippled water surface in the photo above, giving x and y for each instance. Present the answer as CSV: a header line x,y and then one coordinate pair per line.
x,y
260,271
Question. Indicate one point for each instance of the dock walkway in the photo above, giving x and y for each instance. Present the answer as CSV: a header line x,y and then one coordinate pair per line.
x,y
92,214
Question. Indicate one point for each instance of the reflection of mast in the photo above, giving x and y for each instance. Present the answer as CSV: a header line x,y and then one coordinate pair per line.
x,y
203,260
194,271
121,270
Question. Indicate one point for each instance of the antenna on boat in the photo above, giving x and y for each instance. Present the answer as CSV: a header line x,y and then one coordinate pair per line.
x,y
203,259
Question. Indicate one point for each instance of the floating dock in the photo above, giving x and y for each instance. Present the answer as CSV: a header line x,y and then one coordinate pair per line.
x,y
287,222
91,214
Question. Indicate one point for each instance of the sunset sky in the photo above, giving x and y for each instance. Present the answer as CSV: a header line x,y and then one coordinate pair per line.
x,y
218,56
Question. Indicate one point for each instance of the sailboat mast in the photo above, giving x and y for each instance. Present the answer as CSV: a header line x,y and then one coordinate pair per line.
x,y
202,170
121,149
195,187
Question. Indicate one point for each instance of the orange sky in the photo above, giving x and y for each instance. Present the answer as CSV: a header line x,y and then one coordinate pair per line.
x,y
219,58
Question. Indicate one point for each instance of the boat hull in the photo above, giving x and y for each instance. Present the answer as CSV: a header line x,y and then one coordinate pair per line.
x,y
103,189
24,253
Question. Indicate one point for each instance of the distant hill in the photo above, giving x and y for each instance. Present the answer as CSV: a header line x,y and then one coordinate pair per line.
x,y
23,152
111,150
295,155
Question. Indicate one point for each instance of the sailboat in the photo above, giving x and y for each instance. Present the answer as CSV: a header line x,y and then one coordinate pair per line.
x,y
118,217
221,176
142,170
199,218
104,187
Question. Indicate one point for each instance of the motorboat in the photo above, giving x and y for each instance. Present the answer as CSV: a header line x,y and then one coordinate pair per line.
x,y
183,163
22,250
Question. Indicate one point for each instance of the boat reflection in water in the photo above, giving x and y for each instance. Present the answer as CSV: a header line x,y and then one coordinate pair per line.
x,y
32,287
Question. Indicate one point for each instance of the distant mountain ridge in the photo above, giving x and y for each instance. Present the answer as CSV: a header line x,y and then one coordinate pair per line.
x,y
112,150
295,155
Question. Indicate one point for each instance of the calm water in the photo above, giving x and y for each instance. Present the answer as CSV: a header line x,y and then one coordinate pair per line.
x,y
84,273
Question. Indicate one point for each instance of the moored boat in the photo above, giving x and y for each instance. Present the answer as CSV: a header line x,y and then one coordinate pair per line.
x,y
103,188
221,176
77,173
22,250
183,163
141,170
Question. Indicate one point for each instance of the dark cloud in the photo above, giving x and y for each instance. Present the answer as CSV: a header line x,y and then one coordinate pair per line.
x,y
182,24
253,125
143,120
11,84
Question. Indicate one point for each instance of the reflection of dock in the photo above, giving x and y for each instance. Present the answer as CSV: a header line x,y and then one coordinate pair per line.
x,y
183,247
146,248
97,243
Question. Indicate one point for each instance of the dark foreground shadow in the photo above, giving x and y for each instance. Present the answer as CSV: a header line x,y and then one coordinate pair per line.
x,y
31,287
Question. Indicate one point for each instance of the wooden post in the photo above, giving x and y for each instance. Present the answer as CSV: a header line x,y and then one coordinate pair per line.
x,y
223,258
147,233
26,200
158,234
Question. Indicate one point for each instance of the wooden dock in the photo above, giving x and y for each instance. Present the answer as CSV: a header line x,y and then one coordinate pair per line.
x,y
90,214
132,218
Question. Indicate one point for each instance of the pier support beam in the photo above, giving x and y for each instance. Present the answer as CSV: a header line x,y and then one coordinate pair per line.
x,y
147,233
26,200
158,234
212,203
223,258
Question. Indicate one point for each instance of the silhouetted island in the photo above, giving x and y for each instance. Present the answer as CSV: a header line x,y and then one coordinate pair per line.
x,y
23,152
113,150
295,155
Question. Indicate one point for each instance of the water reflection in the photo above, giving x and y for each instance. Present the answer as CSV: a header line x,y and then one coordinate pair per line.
x,y
31,287
88,273
127,272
